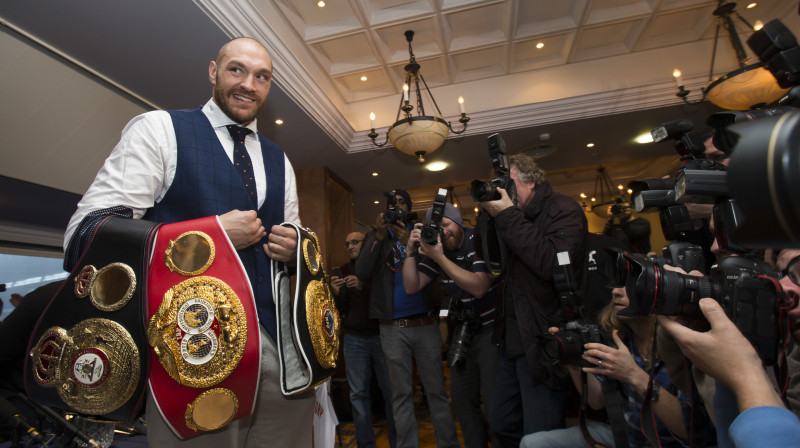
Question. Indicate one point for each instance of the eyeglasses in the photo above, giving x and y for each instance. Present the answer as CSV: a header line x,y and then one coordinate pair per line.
x,y
352,243
793,270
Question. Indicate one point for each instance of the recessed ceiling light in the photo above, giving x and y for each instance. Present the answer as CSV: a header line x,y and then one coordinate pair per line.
x,y
583,195
436,166
590,145
758,25
321,4
455,205
476,209
279,122
375,174
363,78
377,202
645,138
752,5
630,191
540,45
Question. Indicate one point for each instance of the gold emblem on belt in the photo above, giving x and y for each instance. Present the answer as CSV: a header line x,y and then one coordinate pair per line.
x,y
199,332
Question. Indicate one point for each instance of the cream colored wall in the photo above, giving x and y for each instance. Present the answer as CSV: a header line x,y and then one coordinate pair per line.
x,y
657,240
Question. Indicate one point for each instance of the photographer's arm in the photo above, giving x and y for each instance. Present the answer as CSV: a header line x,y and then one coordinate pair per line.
x,y
413,280
619,364
474,283
537,247
367,262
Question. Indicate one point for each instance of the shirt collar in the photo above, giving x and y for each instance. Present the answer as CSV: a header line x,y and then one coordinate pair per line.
x,y
218,119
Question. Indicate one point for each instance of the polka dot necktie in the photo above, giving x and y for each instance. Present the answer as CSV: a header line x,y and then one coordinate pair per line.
x,y
241,160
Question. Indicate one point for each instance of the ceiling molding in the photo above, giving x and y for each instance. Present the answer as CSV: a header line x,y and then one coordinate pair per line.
x,y
556,111
240,18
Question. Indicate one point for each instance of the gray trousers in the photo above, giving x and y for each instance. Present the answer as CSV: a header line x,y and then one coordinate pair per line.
x,y
424,343
277,421
473,383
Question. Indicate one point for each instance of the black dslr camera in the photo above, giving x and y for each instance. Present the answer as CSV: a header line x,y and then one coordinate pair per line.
x,y
566,346
466,324
430,232
393,213
482,191
682,254
741,285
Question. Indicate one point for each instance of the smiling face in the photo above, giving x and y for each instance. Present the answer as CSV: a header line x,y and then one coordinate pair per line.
x,y
241,76
453,234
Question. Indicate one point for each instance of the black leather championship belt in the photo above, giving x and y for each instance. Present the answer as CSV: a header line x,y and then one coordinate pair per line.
x,y
202,327
309,327
88,352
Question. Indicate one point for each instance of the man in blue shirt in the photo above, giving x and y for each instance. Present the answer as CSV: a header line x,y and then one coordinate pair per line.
x,y
408,328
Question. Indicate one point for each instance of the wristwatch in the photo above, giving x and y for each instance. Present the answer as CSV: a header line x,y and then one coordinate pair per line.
x,y
656,391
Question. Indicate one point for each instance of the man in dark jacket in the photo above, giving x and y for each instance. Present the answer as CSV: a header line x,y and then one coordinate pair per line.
x,y
530,396
362,346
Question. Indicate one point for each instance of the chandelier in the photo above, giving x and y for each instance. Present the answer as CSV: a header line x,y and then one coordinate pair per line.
x,y
604,194
748,87
420,134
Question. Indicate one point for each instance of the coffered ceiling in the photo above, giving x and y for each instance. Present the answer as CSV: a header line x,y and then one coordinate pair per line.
x,y
601,76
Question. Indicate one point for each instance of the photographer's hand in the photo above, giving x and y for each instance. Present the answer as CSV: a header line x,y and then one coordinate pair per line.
x,y
414,240
495,207
400,232
724,353
336,284
380,227
617,363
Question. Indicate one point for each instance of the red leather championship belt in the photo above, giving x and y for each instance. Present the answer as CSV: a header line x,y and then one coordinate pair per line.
x,y
203,329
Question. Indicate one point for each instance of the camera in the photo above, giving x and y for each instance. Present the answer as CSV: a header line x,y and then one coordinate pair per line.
x,y
745,288
687,143
566,346
482,191
466,324
393,214
682,254
429,234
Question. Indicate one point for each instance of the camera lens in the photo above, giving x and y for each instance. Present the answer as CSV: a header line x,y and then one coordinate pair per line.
x,y
429,235
483,191
653,290
459,347
566,346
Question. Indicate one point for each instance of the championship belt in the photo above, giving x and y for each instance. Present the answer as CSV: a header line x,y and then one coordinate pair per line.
x,y
308,323
203,329
88,352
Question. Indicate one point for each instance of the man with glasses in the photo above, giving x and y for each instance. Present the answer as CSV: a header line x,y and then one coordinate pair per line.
x,y
408,327
362,346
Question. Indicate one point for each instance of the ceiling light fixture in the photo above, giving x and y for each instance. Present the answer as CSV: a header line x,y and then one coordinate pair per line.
x,y
418,134
363,78
436,166
279,122
604,194
590,145
321,4
375,174
747,87
540,45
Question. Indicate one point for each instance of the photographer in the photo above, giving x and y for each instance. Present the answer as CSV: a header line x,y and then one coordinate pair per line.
x,y
632,230
408,326
629,364
362,346
725,354
467,280
528,395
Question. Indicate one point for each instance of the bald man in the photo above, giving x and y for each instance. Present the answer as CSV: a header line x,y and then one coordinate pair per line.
x,y
173,166
363,353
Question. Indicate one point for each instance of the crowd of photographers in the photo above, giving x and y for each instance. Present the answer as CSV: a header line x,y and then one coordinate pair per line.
x,y
696,346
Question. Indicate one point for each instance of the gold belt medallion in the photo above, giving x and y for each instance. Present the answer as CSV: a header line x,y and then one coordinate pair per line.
x,y
94,366
199,332
323,318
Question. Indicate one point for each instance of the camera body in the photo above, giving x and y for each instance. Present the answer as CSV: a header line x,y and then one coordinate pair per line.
x,y
682,254
467,323
566,346
429,234
393,213
741,285
481,190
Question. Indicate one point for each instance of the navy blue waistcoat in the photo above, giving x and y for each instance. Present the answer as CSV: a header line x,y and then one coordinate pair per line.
x,y
206,184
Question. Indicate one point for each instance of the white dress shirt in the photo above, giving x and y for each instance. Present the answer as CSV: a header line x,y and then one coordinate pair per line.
x,y
142,165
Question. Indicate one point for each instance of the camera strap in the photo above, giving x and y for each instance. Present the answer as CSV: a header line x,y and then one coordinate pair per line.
x,y
487,228
616,419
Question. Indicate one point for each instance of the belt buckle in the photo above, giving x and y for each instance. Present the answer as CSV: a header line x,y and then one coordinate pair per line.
x,y
402,323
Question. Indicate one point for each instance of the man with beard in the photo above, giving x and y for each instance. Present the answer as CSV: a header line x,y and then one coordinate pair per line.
x,y
530,396
362,347
173,166
466,279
